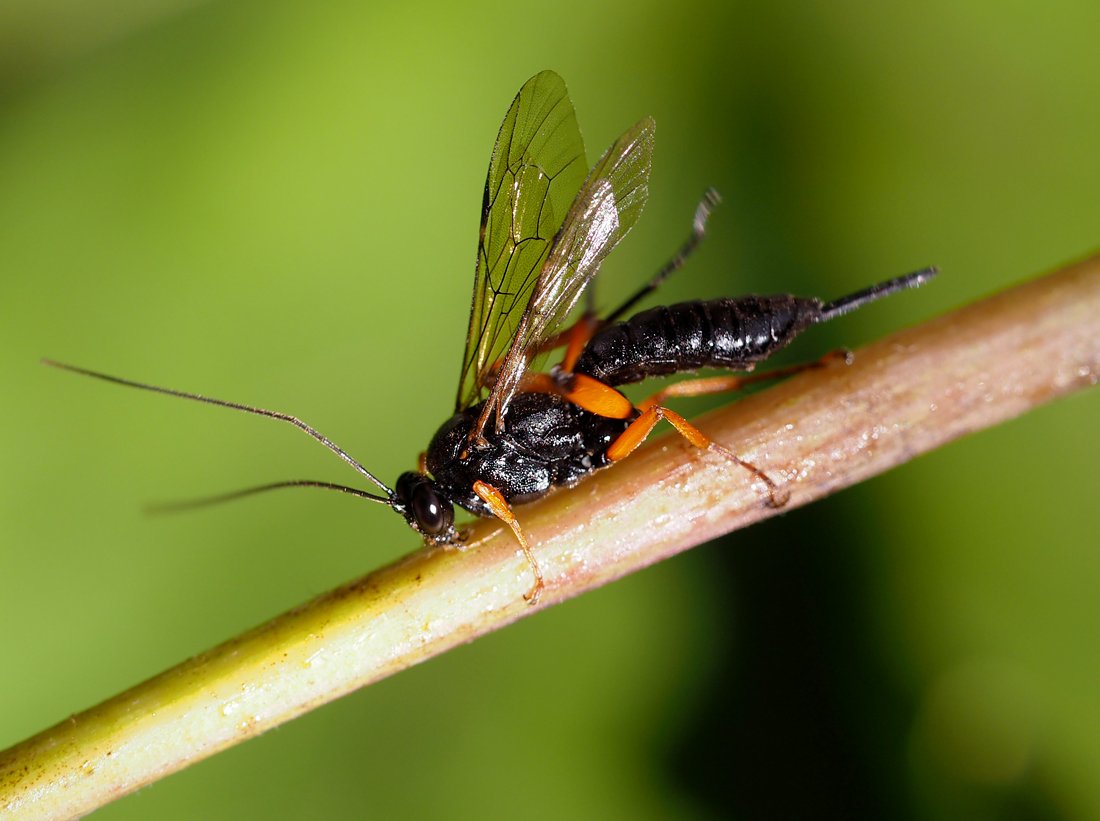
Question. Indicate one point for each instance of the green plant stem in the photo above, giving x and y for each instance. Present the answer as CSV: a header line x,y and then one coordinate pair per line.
x,y
814,434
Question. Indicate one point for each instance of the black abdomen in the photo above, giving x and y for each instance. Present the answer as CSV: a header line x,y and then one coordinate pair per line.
x,y
723,333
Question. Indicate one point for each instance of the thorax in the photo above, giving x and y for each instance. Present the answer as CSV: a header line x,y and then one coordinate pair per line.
x,y
545,441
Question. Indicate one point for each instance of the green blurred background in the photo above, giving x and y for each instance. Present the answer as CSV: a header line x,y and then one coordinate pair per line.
x,y
277,203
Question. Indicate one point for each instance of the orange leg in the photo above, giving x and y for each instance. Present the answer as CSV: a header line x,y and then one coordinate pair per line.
x,y
722,384
498,506
584,391
638,431
573,338
596,397
576,338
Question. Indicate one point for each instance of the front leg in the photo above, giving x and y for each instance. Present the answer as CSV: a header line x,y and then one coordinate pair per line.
x,y
498,506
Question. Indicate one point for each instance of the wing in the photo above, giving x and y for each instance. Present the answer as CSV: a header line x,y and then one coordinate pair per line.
x,y
538,164
605,209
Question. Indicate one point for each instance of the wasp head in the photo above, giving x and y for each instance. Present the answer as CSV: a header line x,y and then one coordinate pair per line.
x,y
425,508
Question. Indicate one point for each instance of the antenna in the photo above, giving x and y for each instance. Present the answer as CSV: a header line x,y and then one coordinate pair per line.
x,y
206,501
282,417
711,199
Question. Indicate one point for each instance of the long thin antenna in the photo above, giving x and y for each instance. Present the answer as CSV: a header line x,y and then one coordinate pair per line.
x,y
282,417
206,501
847,304
711,198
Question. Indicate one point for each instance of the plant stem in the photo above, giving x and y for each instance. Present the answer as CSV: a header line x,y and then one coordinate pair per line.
x,y
815,434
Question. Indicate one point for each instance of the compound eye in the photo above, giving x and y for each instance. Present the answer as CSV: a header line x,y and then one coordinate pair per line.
x,y
433,515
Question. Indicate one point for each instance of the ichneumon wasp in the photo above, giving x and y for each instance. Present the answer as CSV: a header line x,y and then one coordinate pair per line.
x,y
547,223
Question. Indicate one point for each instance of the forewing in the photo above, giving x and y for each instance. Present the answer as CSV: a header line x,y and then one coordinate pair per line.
x,y
605,209
538,164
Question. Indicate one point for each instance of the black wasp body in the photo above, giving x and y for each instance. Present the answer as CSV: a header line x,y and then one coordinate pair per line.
x,y
548,440
516,432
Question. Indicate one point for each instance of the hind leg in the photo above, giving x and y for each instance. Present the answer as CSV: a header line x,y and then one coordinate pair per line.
x,y
640,429
721,384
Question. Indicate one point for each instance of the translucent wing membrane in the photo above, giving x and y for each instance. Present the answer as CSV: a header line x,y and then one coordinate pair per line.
x,y
537,166
604,210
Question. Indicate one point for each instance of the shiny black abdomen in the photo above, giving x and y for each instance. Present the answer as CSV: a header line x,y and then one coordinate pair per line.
x,y
733,333
546,442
